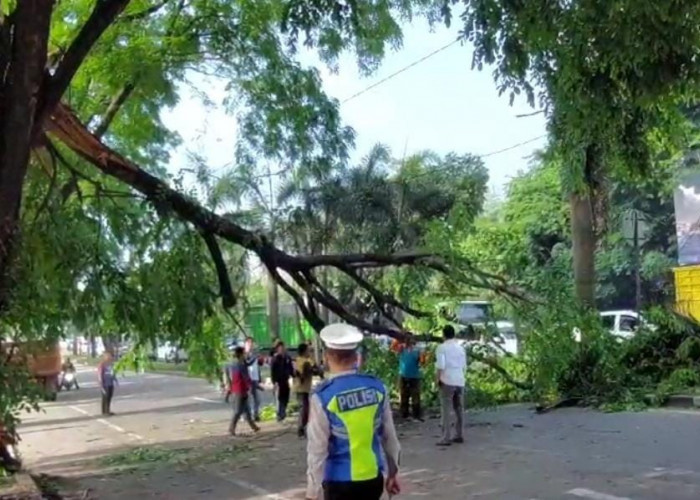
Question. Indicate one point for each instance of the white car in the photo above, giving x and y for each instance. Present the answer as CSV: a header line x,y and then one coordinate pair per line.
x,y
505,341
623,323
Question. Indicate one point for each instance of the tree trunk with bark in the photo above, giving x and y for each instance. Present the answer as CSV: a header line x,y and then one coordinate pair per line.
x,y
273,307
588,221
583,246
23,53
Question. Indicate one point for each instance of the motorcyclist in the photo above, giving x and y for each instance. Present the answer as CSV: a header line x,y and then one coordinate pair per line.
x,y
68,367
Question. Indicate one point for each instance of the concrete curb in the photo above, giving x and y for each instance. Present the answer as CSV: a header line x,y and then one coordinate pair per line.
x,y
683,401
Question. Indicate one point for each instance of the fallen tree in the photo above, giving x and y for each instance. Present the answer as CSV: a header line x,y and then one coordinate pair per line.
x,y
294,273
33,118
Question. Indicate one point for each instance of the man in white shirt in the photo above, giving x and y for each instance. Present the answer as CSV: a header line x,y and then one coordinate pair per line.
x,y
451,363
254,371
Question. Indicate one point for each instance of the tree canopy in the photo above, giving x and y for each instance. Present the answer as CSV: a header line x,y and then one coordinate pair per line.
x,y
84,83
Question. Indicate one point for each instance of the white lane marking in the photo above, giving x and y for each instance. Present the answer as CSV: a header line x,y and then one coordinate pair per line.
x,y
111,425
108,424
88,385
79,410
81,402
585,493
205,400
258,490
661,472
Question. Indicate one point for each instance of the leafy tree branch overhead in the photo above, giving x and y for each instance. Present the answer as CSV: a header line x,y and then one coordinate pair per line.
x,y
110,51
95,75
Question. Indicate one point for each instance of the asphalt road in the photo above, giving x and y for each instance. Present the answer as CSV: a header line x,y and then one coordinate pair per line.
x,y
509,454
149,408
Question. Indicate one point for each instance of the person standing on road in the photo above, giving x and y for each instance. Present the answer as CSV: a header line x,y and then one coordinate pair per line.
x,y
350,423
240,388
253,362
451,363
409,383
303,377
281,369
107,380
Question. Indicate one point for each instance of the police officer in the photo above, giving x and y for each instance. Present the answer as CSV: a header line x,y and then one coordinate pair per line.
x,y
350,411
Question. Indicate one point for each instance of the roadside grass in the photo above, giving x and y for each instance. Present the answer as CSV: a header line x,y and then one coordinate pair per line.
x,y
6,481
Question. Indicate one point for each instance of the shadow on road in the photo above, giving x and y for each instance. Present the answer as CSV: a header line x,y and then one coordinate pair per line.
x,y
185,408
217,467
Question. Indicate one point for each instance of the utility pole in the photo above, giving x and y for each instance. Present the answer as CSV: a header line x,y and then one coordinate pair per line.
x,y
637,266
273,308
634,228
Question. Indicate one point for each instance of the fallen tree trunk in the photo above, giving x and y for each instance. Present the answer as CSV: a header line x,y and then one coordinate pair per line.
x,y
295,274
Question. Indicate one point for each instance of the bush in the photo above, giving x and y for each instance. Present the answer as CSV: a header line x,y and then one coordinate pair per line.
x,y
487,388
654,353
18,393
560,367
689,351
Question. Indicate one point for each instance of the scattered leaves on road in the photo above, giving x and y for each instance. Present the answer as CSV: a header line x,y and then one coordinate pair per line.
x,y
143,455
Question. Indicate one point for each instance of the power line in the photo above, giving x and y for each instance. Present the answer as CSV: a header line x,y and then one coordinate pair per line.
x,y
396,73
509,148
424,173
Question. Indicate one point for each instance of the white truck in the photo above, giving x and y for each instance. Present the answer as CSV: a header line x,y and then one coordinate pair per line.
x,y
476,325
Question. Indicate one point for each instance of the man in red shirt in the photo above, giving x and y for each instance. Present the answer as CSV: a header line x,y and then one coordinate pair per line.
x,y
240,384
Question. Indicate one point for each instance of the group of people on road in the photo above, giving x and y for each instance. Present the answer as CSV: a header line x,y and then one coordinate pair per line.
x,y
347,418
450,366
351,420
243,378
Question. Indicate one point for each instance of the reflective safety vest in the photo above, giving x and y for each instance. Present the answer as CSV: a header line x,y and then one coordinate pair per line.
x,y
354,404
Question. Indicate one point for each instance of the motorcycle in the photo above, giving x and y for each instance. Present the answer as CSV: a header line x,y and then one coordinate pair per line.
x,y
9,458
68,381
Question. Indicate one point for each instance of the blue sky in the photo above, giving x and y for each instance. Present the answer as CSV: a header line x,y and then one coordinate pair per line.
x,y
440,104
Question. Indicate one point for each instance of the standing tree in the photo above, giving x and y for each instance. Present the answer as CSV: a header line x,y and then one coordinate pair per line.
x,y
611,76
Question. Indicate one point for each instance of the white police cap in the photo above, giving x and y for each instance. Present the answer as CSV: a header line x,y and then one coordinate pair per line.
x,y
341,336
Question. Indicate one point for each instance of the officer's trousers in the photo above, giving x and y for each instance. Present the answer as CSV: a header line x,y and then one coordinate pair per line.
x,y
354,490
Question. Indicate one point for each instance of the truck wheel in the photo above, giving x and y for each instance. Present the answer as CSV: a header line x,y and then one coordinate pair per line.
x,y
51,388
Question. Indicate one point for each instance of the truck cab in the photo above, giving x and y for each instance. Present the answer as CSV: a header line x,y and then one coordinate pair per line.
x,y
476,325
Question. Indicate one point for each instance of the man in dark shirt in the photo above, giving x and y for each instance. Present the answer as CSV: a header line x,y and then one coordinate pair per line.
x,y
107,379
281,369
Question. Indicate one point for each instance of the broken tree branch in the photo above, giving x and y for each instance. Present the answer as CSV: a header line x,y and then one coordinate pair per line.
x,y
228,299
65,126
380,297
110,114
493,364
